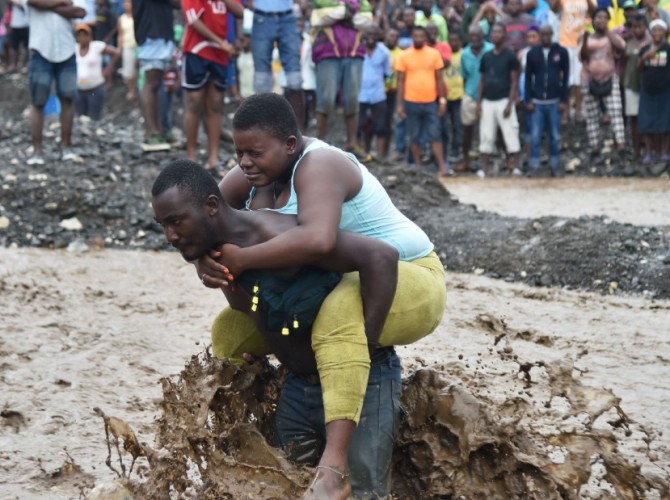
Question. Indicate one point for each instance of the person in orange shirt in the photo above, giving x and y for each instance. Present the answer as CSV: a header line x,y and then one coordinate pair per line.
x,y
422,97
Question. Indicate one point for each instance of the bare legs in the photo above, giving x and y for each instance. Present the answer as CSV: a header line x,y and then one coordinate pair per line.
x,y
210,101
152,84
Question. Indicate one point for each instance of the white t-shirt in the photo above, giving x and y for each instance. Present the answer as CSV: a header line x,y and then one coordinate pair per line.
x,y
19,17
51,34
89,67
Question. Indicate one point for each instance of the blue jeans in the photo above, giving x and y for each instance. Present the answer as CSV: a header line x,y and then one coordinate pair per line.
x,y
268,29
333,75
302,432
90,102
545,117
42,73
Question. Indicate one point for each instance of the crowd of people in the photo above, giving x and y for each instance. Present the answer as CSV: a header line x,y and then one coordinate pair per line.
x,y
420,80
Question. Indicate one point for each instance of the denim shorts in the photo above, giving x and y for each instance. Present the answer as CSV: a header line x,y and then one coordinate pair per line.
x,y
155,53
423,124
42,73
333,75
270,28
197,71
302,434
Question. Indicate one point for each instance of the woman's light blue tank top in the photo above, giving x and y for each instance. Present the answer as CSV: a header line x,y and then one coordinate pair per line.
x,y
371,212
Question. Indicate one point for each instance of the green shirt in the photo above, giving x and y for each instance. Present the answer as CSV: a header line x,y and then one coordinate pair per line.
x,y
437,20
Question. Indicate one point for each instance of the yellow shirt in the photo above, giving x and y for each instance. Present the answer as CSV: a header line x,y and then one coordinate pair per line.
x,y
453,78
392,80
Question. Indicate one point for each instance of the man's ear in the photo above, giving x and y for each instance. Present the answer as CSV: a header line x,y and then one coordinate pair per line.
x,y
291,144
212,204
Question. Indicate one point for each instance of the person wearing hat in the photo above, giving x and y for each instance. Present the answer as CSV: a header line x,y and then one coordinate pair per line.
x,y
654,114
52,59
91,76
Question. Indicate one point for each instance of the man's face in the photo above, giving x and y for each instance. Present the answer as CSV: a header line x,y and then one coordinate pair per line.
x,y
639,30
426,7
514,7
409,16
418,38
532,38
455,42
497,35
370,37
546,36
600,21
186,226
432,32
392,39
476,39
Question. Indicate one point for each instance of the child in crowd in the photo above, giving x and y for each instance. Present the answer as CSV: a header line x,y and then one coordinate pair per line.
x,y
128,47
654,114
631,78
452,118
245,68
90,74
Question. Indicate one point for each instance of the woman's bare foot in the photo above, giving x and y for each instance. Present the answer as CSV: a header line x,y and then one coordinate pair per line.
x,y
329,484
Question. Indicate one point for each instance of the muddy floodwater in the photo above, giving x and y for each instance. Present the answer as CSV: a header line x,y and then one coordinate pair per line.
x,y
552,388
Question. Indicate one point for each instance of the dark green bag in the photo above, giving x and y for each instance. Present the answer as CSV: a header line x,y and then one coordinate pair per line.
x,y
289,305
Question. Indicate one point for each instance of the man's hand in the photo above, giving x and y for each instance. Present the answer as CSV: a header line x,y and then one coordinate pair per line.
x,y
530,107
441,109
562,107
401,112
508,110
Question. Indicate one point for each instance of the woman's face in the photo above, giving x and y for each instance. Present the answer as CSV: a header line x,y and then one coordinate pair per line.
x,y
658,34
262,157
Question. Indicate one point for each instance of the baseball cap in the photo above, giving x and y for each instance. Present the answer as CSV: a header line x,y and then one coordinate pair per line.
x,y
83,27
628,4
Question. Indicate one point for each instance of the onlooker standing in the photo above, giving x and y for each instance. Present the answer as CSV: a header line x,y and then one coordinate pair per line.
x,y
516,24
275,22
496,102
573,18
18,36
90,75
425,15
206,51
392,37
154,33
52,59
106,24
422,97
372,97
452,118
639,37
405,32
128,46
470,65
600,83
338,54
468,16
654,117
308,71
546,96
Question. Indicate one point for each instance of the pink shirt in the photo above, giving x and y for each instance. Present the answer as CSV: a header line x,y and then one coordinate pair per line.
x,y
600,65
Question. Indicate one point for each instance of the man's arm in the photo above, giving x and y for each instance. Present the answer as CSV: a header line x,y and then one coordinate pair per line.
x,y
528,83
70,12
115,54
480,89
441,91
618,43
401,95
565,76
48,4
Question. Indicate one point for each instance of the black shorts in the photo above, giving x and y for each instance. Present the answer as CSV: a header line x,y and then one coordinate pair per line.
x,y
197,72
18,37
373,118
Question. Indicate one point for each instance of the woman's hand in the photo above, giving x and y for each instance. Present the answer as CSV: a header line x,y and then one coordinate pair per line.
x,y
230,257
212,272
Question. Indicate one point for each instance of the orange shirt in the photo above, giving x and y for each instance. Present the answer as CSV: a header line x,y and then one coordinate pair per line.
x,y
419,67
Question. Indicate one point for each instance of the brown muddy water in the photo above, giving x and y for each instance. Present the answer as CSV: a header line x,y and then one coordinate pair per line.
x,y
521,392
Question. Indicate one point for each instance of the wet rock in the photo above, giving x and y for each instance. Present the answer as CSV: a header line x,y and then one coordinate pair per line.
x,y
72,224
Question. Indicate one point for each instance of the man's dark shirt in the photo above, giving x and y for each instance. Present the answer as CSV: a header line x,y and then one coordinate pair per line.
x,y
496,70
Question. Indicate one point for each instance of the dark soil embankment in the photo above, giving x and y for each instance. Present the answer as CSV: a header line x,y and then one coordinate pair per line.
x,y
104,200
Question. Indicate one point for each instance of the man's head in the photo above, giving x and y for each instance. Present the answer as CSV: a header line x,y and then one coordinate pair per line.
x,y
546,35
659,31
419,37
533,35
455,41
186,201
513,7
101,5
371,35
392,38
427,7
432,32
409,16
498,34
476,35
629,10
601,17
638,26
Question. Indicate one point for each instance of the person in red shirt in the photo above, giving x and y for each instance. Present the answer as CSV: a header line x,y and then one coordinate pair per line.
x,y
206,51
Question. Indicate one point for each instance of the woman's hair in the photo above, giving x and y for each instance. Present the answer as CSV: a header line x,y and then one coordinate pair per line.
x,y
269,112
